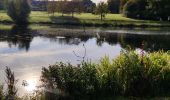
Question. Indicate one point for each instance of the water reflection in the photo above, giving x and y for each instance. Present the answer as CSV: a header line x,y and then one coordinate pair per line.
x,y
152,42
18,36
21,37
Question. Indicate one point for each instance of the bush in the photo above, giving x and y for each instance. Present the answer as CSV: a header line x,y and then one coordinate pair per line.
x,y
19,11
75,80
143,75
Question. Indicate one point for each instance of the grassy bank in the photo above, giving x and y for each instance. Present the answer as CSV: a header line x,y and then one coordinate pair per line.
x,y
86,19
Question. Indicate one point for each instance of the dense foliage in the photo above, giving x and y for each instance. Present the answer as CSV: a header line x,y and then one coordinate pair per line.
x,y
19,11
141,9
114,6
138,5
147,9
130,74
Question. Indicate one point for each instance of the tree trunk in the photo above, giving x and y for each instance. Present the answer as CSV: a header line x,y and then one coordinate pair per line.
x,y
101,16
72,14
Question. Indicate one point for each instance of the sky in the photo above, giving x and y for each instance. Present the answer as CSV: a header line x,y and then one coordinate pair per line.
x,y
97,1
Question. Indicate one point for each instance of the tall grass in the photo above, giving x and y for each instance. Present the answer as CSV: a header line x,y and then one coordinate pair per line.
x,y
130,74
11,92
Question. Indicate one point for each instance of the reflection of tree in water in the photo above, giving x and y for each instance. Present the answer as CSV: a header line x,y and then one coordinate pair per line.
x,y
69,39
19,36
22,36
151,42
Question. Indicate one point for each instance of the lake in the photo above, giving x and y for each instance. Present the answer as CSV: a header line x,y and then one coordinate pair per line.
x,y
26,50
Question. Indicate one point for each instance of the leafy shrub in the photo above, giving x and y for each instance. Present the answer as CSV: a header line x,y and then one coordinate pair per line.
x,y
75,80
130,74
19,11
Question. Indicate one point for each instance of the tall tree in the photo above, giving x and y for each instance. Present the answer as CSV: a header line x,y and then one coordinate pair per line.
x,y
114,6
18,11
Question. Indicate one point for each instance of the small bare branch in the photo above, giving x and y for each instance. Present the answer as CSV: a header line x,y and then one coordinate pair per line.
x,y
81,58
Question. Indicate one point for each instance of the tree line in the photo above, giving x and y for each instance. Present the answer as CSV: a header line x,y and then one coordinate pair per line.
x,y
77,6
138,9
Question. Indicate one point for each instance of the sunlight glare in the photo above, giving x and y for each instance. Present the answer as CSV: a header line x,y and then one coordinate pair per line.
x,y
31,85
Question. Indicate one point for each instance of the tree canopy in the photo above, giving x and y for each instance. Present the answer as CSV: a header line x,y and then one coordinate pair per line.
x,y
102,10
147,9
114,6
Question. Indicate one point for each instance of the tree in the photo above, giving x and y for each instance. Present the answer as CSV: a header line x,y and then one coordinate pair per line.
x,y
88,6
52,7
147,9
1,4
135,9
60,6
18,11
158,9
113,6
102,10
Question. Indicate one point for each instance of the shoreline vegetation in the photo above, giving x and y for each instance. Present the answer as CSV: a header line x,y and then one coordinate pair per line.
x,y
131,75
85,19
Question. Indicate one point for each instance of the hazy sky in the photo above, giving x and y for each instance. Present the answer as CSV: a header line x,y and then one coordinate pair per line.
x,y
97,1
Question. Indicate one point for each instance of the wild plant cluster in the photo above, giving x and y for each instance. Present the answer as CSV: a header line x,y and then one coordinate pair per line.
x,y
130,74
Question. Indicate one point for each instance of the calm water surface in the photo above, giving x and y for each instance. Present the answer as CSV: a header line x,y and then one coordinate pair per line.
x,y
26,51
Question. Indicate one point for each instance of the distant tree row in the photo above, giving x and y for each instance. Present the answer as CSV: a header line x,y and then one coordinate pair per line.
x,y
65,7
70,7
77,6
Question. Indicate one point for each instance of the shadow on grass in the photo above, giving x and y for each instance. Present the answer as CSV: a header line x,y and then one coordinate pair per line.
x,y
65,20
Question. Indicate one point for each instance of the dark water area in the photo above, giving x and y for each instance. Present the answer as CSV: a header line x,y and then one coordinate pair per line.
x,y
27,50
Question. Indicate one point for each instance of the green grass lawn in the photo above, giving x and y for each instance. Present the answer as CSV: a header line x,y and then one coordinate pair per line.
x,y
87,18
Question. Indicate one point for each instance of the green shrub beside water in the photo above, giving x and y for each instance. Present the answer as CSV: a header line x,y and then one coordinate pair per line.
x,y
77,80
130,74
